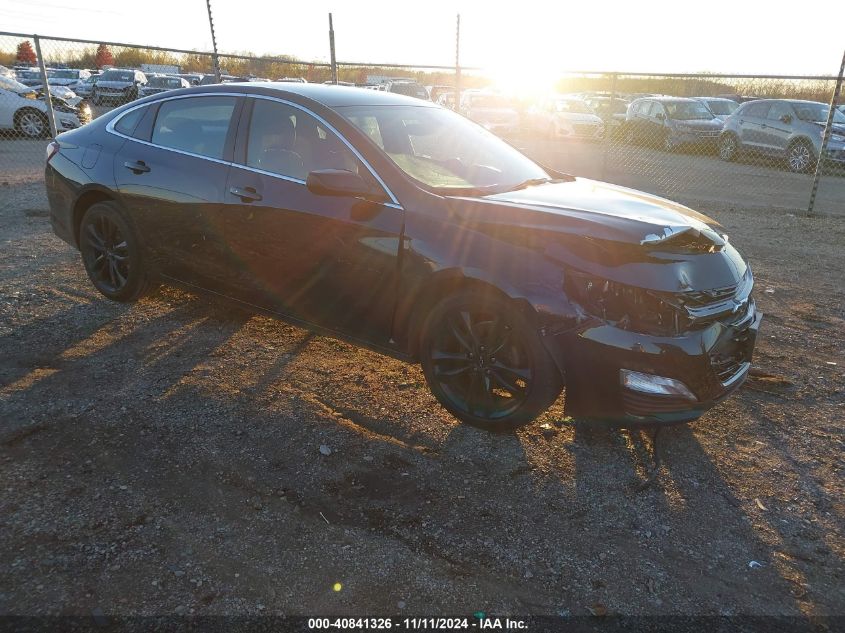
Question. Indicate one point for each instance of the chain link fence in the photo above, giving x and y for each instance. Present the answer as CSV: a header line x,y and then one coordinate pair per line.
x,y
705,140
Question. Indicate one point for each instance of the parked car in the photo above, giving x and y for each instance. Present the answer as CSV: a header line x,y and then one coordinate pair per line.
x,y
162,83
611,110
22,110
671,122
784,128
192,78
7,72
84,87
66,76
400,225
492,111
719,107
565,117
29,76
408,88
120,85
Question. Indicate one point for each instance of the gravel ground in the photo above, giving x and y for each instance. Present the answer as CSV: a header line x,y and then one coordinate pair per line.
x,y
182,456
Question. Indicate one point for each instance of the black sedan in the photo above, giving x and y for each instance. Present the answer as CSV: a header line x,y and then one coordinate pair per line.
x,y
401,226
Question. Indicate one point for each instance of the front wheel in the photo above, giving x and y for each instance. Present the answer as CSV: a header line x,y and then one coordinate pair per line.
x,y
111,253
728,147
32,124
800,158
485,363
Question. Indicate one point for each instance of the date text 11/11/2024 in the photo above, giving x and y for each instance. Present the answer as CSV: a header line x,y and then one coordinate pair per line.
x,y
479,622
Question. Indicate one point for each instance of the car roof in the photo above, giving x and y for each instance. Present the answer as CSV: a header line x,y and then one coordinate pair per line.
x,y
326,94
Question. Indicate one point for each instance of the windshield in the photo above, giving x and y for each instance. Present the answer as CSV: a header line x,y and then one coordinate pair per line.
x,y
117,75
719,107
443,150
816,112
572,105
29,74
687,110
63,74
7,83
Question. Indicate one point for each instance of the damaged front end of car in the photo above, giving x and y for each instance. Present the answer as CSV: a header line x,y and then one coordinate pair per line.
x,y
663,330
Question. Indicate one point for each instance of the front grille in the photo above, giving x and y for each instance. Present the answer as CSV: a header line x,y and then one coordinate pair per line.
x,y
704,297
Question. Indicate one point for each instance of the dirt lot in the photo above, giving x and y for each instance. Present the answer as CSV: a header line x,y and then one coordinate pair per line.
x,y
165,458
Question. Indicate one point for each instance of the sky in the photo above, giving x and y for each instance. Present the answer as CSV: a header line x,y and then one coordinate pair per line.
x,y
525,38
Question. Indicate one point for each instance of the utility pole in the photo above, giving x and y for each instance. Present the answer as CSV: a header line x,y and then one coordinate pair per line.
x,y
42,67
826,137
331,50
214,58
458,65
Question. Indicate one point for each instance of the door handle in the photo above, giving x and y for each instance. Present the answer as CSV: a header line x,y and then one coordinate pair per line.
x,y
246,194
138,167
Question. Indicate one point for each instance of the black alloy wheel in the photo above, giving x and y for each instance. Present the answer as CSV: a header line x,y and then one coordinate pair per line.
x,y
486,364
111,253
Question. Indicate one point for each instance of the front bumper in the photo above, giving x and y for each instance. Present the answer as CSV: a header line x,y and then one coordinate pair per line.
x,y
712,363
835,153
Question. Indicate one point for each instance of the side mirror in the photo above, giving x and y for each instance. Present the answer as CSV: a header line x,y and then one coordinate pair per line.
x,y
340,182
660,116
786,118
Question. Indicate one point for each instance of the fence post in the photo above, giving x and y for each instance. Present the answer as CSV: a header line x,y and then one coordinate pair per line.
x,y
214,58
825,138
458,65
51,116
331,50
607,127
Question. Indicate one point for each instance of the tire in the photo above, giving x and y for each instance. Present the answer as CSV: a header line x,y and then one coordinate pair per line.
x,y
96,99
485,363
112,254
728,147
800,158
32,123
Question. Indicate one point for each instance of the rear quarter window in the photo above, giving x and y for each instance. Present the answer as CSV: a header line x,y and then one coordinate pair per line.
x,y
129,121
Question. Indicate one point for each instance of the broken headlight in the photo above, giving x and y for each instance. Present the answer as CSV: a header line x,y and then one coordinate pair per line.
x,y
626,307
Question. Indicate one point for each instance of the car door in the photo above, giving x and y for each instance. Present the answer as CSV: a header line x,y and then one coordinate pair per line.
x,y
329,260
171,173
777,127
641,120
751,120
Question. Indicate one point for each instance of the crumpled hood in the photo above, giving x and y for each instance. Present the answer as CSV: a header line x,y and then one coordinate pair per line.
x,y
614,212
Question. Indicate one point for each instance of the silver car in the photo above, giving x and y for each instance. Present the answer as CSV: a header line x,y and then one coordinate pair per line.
x,y
784,128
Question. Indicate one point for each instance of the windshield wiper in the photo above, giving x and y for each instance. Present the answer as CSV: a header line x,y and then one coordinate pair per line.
x,y
531,182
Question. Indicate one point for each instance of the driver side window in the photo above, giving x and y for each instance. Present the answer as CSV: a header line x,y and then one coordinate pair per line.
x,y
286,141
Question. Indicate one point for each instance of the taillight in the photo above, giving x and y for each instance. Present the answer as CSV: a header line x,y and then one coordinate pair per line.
x,y
52,150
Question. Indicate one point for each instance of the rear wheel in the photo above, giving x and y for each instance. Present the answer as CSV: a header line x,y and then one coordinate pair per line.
x,y
111,253
32,124
800,157
728,147
485,363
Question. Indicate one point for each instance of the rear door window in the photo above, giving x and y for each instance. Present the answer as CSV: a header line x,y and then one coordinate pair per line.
x,y
757,110
198,125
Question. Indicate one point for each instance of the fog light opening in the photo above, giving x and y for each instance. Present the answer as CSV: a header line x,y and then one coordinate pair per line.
x,y
655,385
